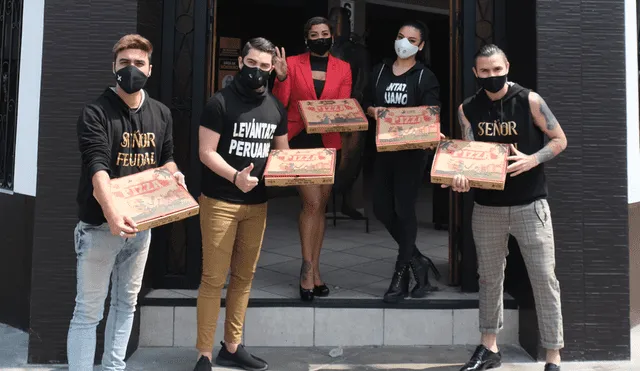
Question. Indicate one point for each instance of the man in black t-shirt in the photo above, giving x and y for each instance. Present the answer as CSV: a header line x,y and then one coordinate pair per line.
x,y
239,125
505,112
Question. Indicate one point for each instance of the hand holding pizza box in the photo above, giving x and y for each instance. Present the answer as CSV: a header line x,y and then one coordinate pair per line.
x,y
406,128
332,116
294,167
152,198
483,164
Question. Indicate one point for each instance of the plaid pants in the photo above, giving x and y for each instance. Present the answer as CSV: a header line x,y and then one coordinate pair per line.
x,y
531,226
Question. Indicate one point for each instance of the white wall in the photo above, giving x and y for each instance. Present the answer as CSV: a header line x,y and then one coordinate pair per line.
x,y
26,163
633,132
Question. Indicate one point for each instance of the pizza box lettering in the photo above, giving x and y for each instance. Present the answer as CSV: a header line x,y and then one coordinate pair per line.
x,y
404,128
483,163
152,198
293,167
332,116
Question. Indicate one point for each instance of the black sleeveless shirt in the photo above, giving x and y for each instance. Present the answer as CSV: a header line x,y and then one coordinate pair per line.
x,y
508,120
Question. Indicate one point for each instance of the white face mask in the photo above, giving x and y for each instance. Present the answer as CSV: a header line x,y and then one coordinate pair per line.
x,y
405,49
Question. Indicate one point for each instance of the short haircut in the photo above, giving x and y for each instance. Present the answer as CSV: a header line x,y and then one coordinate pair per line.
x,y
260,44
489,50
133,41
314,22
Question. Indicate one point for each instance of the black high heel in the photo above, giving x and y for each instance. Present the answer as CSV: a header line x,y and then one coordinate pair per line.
x,y
420,266
306,294
321,291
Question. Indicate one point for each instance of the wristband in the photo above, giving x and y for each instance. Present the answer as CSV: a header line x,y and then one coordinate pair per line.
x,y
235,176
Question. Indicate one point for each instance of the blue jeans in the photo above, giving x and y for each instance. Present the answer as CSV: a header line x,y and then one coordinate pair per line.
x,y
101,255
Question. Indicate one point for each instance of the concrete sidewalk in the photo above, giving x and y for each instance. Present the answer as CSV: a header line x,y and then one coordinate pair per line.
x,y
13,355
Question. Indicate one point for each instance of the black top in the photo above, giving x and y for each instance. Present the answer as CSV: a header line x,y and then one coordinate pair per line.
x,y
508,120
247,123
121,141
319,64
416,87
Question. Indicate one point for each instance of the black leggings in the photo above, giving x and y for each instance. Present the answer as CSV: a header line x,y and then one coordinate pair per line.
x,y
397,179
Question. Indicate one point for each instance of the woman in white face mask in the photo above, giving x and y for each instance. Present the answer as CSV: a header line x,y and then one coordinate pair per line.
x,y
398,176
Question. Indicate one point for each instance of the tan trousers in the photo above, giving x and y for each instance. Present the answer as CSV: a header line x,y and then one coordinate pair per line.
x,y
231,239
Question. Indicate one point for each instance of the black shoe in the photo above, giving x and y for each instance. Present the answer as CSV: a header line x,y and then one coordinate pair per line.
x,y
483,359
551,367
321,291
204,364
399,287
240,359
306,294
420,268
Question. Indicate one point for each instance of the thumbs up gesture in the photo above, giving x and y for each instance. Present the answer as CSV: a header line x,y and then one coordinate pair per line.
x,y
244,181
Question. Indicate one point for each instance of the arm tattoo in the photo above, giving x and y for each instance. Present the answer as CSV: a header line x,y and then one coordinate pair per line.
x,y
467,132
549,119
548,152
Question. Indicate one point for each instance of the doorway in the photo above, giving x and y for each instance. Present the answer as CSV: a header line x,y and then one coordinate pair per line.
x,y
358,262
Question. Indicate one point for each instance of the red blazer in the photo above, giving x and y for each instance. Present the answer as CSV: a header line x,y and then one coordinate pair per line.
x,y
299,86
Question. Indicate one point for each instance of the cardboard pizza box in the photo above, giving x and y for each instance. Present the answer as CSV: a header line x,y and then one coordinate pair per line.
x,y
293,167
332,116
152,198
483,163
405,128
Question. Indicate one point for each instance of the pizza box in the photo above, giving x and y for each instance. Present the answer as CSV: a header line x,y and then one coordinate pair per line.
x,y
332,116
483,163
293,167
405,128
152,198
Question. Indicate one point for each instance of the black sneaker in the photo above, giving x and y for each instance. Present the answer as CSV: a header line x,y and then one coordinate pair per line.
x,y
483,359
551,367
204,364
240,359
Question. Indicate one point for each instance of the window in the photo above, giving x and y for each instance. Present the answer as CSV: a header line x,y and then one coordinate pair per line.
x,y
10,38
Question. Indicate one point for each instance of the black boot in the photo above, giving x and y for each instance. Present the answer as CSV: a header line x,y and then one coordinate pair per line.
x,y
420,266
399,287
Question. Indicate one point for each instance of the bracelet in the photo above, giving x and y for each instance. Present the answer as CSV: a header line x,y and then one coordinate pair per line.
x,y
235,176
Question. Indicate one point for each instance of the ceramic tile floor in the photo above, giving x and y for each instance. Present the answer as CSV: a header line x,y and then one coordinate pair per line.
x,y
353,263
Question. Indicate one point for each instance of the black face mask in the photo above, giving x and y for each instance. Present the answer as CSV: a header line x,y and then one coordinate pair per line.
x,y
253,77
319,46
492,84
130,79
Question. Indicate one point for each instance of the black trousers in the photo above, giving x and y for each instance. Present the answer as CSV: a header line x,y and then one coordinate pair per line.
x,y
397,180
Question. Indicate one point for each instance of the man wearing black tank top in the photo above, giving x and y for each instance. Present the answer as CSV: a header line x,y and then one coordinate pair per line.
x,y
505,112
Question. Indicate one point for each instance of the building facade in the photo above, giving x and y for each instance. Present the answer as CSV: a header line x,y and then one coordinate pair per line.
x,y
581,56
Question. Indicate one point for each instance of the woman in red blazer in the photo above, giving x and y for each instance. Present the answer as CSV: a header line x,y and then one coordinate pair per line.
x,y
311,76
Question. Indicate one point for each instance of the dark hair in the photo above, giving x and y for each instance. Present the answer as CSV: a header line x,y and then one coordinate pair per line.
x,y
425,56
260,44
314,22
487,51
424,31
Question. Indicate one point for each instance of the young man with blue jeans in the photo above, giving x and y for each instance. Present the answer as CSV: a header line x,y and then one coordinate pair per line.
x,y
123,132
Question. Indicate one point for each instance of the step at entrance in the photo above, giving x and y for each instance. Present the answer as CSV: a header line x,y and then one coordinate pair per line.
x,y
171,322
